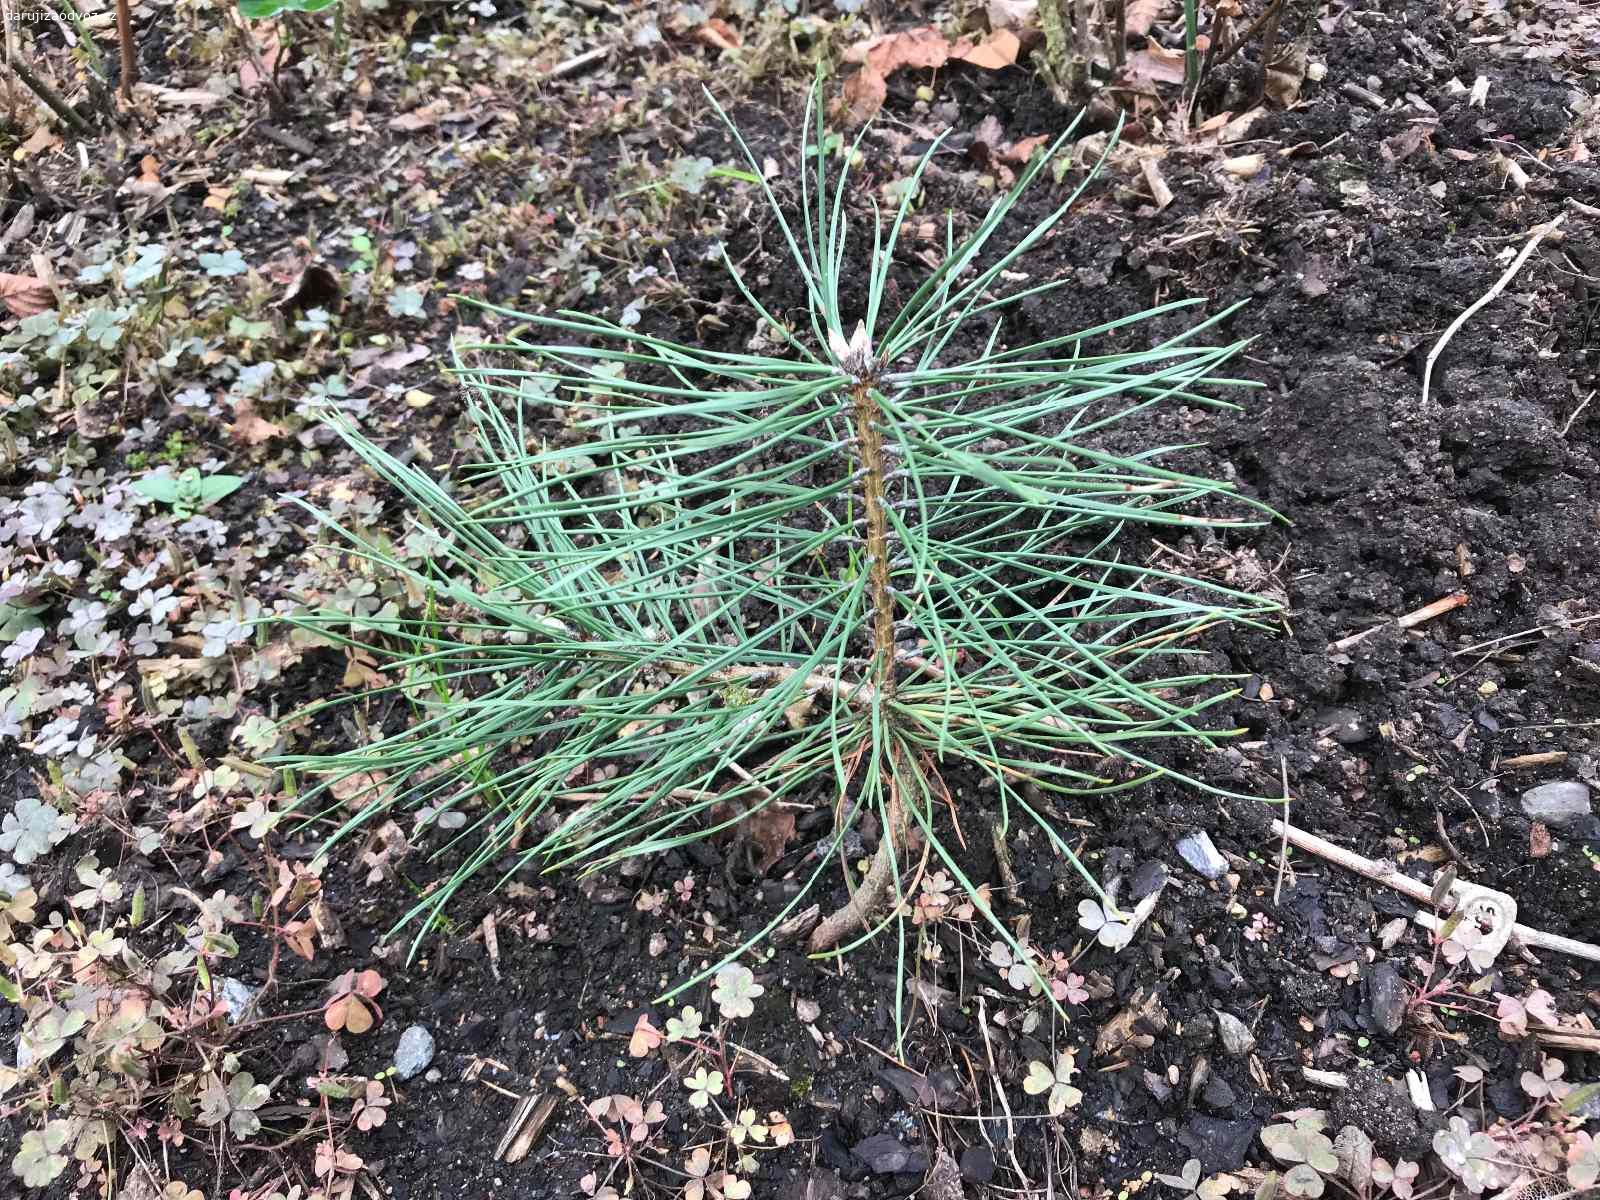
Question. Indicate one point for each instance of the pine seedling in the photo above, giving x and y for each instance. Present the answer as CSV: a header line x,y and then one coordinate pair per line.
x,y
683,587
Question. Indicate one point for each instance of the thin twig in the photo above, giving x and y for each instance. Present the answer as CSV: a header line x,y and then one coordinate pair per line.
x,y
130,63
1005,1103
1268,14
577,62
49,95
1409,620
1576,413
1499,286
1450,846
1352,861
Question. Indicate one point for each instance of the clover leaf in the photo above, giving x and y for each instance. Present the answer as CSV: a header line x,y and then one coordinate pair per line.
x,y
32,827
735,991
39,1159
1057,1081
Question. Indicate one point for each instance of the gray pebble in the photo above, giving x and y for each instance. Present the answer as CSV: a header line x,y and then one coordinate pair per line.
x,y
1236,1037
1590,1109
1386,998
1557,804
414,1052
1348,726
1196,850
238,998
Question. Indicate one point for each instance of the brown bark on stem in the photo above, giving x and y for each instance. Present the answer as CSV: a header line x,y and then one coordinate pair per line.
x,y
894,840
130,65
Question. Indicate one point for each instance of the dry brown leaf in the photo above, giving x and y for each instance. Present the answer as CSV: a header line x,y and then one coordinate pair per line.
x,y
24,295
1284,75
1159,191
994,53
42,140
348,1013
988,140
418,119
1140,15
770,829
718,34
1154,64
1021,152
252,428
880,57
924,46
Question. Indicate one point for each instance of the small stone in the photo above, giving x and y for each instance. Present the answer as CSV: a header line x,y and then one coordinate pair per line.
x,y
1196,850
1236,1037
1218,1095
807,1010
884,1154
1557,804
414,1052
1219,1145
1147,877
432,1075
1157,1086
1589,1110
977,1164
238,998
1386,998
1345,725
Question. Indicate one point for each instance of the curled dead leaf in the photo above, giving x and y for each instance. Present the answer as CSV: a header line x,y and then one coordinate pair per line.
x,y
1152,65
316,286
880,57
996,52
1159,191
24,295
252,428
43,139
1140,15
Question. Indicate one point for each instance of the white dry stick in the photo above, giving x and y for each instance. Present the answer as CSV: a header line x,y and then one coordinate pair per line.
x,y
1420,892
1539,235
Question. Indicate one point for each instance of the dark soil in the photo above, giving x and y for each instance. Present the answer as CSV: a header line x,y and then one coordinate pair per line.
x,y
1394,503
1395,747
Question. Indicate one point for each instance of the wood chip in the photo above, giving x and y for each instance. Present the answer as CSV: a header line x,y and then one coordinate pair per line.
x,y
1159,191
527,1123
